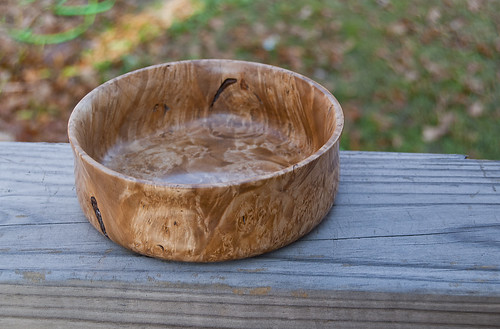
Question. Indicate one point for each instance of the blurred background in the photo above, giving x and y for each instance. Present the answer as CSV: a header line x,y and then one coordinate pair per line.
x,y
412,76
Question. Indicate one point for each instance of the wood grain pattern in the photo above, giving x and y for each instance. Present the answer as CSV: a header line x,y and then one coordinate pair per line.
x,y
211,159
412,241
108,305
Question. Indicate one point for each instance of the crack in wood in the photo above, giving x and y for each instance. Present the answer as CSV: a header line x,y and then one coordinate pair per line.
x,y
384,236
97,212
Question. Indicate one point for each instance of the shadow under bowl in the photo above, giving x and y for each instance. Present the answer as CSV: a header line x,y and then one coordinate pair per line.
x,y
206,160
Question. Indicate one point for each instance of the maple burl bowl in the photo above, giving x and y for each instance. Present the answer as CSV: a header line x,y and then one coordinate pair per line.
x,y
206,160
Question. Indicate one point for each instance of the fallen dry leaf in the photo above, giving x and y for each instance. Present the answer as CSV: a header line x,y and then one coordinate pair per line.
x,y
6,137
130,30
474,5
398,29
433,15
352,112
476,109
433,133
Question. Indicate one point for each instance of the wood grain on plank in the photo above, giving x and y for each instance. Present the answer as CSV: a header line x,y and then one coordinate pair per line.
x,y
408,243
127,305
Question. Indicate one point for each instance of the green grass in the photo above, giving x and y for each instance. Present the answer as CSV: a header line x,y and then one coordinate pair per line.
x,y
394,71
399,70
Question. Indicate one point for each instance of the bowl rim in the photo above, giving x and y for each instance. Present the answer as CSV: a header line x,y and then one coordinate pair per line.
x,y
334,138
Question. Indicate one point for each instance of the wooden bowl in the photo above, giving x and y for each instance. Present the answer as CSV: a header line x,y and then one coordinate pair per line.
x,y
206,160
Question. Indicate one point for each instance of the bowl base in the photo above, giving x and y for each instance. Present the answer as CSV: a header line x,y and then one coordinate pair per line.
x,y
218,148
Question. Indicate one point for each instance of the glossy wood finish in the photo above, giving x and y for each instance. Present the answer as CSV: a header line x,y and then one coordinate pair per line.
x,y
206,160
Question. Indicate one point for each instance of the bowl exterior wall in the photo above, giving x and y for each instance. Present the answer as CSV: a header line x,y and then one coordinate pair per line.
x,y
213,223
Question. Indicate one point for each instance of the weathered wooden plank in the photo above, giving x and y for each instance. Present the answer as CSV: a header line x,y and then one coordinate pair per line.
x,y
80,237
377,155
241,308
30,153
359,199
341,223
370,264
412,240
45,179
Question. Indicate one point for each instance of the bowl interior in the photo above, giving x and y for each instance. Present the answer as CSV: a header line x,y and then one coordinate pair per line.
x,y
207,121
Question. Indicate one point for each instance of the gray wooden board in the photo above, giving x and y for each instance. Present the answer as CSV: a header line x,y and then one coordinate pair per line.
x,y
412,239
